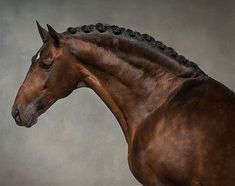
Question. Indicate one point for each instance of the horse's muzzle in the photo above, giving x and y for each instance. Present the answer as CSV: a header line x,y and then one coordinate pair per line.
x,y
24,118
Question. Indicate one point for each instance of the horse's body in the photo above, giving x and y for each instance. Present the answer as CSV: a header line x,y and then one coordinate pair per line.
x,y
190,140
177,121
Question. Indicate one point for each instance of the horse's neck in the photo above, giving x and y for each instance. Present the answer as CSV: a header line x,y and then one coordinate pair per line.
x,y
132,87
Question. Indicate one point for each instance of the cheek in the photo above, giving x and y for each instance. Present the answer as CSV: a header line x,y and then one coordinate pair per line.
x,y
62,81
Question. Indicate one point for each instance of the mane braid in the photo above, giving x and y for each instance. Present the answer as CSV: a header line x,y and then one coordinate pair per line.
x,y
116,30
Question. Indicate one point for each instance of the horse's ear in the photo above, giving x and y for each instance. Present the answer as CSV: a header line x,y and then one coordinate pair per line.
x,y
54,35
43,33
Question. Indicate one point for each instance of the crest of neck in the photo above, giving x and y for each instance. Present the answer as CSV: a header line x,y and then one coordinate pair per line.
x,y
132,86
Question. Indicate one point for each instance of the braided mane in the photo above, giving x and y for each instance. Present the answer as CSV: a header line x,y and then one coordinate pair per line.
x,y
116,30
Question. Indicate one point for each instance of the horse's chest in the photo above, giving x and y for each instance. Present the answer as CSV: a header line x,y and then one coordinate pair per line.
x,y
139,160
151,157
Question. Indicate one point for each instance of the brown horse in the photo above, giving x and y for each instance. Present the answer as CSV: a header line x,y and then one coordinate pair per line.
x,y
177,121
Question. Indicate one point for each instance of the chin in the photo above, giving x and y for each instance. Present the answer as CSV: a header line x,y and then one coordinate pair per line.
x,y
31,122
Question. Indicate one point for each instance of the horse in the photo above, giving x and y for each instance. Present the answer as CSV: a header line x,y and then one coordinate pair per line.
x,y
177,121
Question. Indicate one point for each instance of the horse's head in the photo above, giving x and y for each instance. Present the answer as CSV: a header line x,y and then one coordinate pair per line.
x,y
51,76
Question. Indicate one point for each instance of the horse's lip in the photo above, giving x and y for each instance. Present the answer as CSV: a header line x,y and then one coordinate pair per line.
x,y
16,117
17,120
34,118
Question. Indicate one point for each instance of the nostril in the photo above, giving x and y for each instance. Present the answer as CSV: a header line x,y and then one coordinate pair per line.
x,y
17,112
16,115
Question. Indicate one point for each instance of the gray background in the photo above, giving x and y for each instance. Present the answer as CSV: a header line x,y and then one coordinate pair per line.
x,y
57,151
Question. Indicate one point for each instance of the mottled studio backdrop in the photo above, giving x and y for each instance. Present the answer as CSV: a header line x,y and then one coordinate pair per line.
x,y
78,141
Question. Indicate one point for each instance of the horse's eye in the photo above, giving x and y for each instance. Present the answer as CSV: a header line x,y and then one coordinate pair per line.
x,y
45,66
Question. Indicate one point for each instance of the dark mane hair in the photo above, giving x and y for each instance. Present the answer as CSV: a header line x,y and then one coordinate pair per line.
x,y
116,30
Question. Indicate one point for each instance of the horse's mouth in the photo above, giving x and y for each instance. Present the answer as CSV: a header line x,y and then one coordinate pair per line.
x,y
27,121
27,115
32,120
